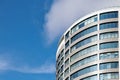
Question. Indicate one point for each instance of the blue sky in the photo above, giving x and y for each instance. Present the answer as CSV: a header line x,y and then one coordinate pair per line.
x,y
24,54
29,33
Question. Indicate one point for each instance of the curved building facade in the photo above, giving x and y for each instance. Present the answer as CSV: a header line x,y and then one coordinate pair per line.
x,y
89,49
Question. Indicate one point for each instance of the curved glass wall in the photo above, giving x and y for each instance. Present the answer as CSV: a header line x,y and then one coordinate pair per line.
x,y
66,53
60,70
83,23
94,77
67,44
66,72
84,42
66,62
60,60
109,45
83,71
108,55
109,76
67,78
83,62
108,65
81,53
60,56
61,77
108,15
83,33
84,52
67,35
108,25
108,35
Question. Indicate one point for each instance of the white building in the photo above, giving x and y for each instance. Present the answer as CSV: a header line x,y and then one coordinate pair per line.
x,y
89,49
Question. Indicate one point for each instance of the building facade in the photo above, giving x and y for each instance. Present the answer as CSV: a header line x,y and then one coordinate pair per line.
x,y
89,49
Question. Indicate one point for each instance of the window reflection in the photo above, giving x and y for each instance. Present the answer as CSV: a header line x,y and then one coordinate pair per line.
x,y
109,45
67,44
108,76
108,55
84,42
67,35
108,25
84,52
66,72
66,53
94,77
108,35
83,62
83,23
66,62
83,71
109,65
84,32
109,15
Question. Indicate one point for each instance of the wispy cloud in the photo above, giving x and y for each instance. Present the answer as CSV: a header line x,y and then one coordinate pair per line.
x,y
64,12
9,65
45,68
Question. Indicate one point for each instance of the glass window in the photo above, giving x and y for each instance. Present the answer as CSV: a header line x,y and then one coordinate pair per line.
x,y
84,42
83,71
66,53
108,55
90,20
109,45
109,65
66,72
109,76
109,15
83,23
57,66
66,62
67,78
74,29
60,70
108,25
84,52
84,32
109,35
61,62
61,77
62,53
67,44
67,35
83,62
58,58
94,77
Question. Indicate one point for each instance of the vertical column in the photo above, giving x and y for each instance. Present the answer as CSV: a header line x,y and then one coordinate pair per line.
x,y
68,57
64,58
119,39
98,44
69,52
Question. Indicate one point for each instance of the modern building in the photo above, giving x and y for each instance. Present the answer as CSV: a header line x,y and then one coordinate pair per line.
x,y
89,49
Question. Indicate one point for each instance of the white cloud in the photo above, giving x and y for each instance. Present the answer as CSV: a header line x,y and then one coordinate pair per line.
x,y
64,12
3,65
45,68
11,65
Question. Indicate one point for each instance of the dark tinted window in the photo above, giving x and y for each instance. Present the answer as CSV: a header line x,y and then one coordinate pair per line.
x,y
109,15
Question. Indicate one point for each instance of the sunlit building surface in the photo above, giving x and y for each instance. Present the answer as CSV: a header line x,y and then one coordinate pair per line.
x,y
89,49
